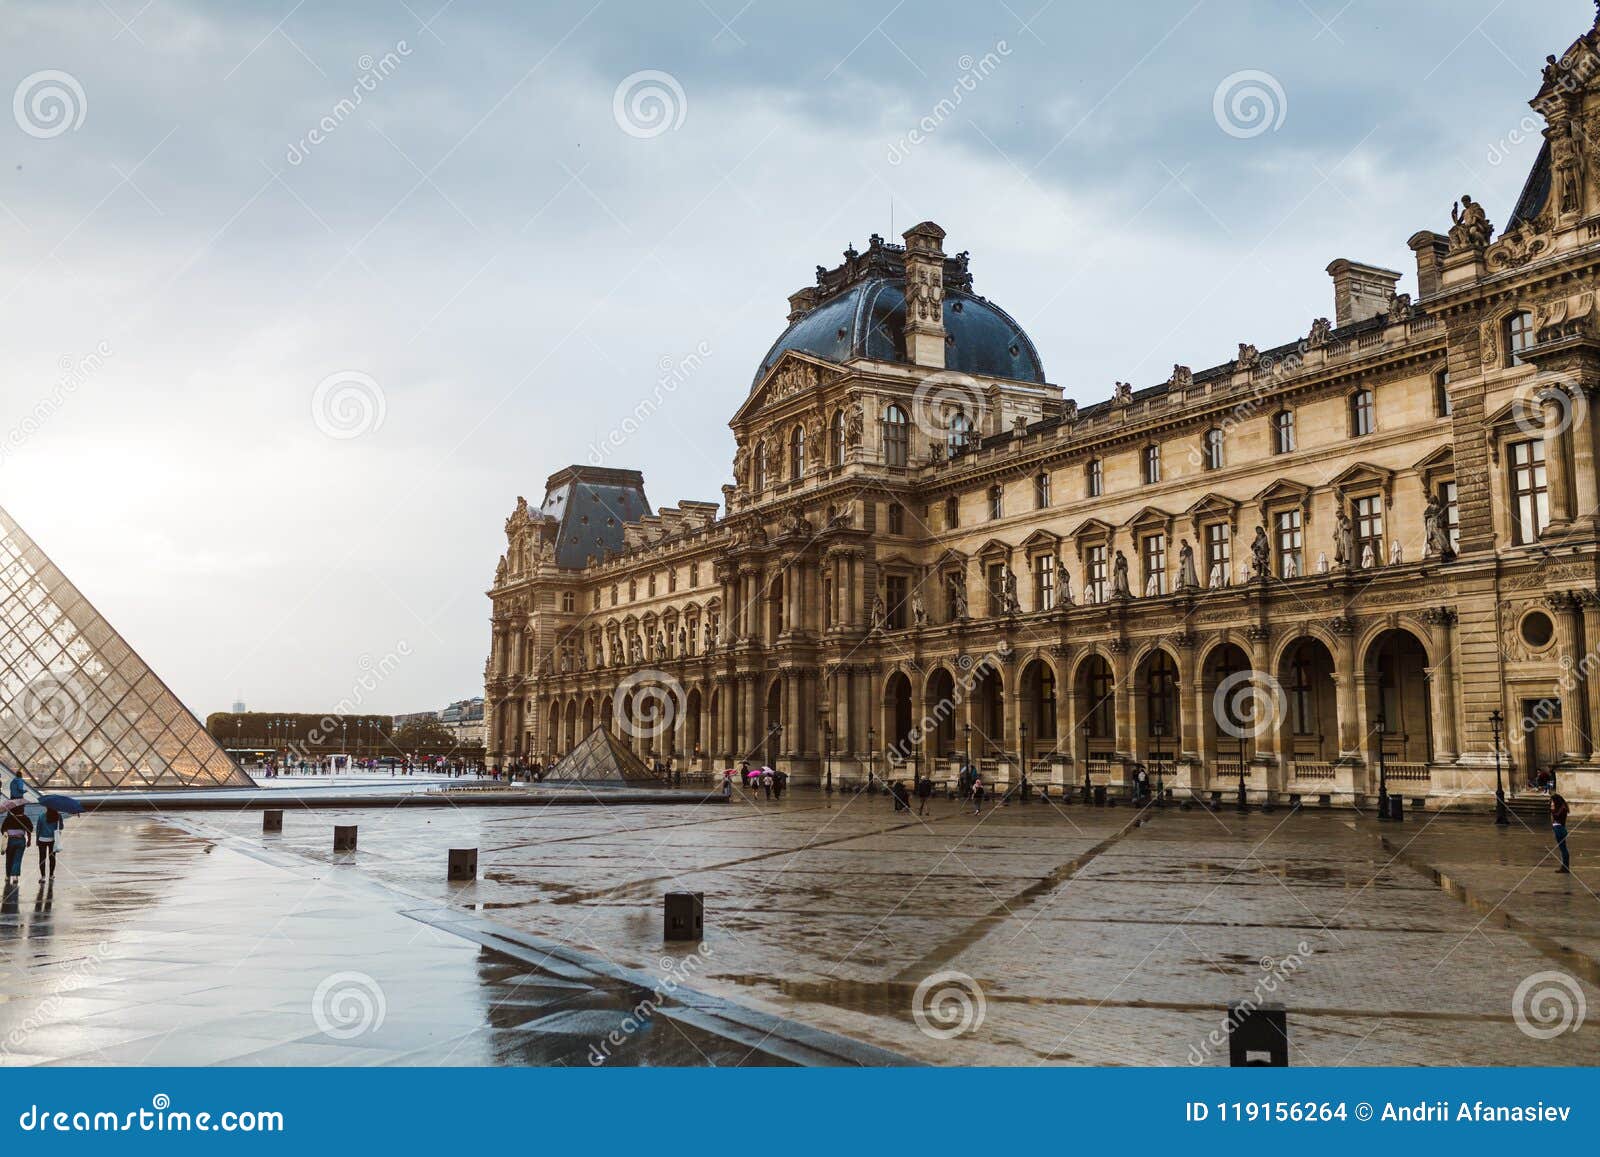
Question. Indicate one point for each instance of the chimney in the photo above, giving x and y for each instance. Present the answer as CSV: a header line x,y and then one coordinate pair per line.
x,y
925,295
1430,248
1360,291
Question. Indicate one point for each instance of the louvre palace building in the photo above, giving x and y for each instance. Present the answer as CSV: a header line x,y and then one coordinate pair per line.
x,y
1364,550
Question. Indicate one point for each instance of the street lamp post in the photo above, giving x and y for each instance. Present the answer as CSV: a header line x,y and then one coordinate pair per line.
x,y
1244,800
1158,728
1496,720
1088,797
872,759
1383,777
1022,755
827,756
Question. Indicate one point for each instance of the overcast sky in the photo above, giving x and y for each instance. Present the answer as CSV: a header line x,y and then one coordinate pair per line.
x,y
312,372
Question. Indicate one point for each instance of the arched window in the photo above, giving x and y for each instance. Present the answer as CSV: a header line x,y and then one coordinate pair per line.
x,y
1283,432
1362,417
1211,448
837,437
958,431
797,454
1518,335
759,468
896,436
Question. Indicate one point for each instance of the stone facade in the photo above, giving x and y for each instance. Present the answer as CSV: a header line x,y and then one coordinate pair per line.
x,y
1351,548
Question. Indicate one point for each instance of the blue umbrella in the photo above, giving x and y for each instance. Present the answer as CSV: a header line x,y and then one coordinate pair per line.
x,y
64,804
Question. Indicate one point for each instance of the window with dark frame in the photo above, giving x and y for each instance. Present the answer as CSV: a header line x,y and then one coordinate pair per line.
x,y
1530,492
1283,432
1289,536
1041,489
897,518
1044,582
1362,418
1219,550
997,501
897,586
1301,704
1095,478
1150,464
1442,406
952,512
1153,550
1211,448
1094,571
896,436
1449,498
1367,510
1519,336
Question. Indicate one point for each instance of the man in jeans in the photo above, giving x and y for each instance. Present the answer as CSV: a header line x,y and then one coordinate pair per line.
x,y
1558,825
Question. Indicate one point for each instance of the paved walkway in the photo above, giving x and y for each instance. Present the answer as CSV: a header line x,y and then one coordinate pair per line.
x,y
1029,935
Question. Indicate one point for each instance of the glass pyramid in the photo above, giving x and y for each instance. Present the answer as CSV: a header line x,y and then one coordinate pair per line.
x,y
600,756
78,709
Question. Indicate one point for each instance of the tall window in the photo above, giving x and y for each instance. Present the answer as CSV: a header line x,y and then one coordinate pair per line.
x,y
1154,551
1041,489
1150,464
1519,336
1211,449
896,437
633,589
759,474
652,586
827,601
897,586
837,437
958,431
1044,582
1530,493
1094,572
1368,511
1362,420
952,512
694,574
1161,701
1095,478
1283,432
1102,704
1219,551
997,501
897,518
614,594
1302,716
797,454
1442,407
1290,542
1450,497
594,599
568,601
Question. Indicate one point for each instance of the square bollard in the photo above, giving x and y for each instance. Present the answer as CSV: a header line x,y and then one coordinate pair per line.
x,y
272,820
1258,1035
463,864
1099,795
1397,808
344,838
685,916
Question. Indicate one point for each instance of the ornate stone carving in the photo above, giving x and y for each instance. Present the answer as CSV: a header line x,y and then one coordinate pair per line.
x,y
1470,227
1321,332
1182,379
1122,394
1249,357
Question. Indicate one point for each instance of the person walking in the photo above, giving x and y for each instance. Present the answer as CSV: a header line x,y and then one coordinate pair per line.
x,y
977,794
18,788
924,793
16,828
1558,827
46,833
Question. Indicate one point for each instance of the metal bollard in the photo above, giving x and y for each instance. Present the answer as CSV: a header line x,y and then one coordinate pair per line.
x,y
344,838
684,916
463,864
272,820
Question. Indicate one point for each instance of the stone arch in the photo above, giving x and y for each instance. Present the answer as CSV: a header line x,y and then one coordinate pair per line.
x,y
899,719
1156,698
1305,667
942,698
772,732
693,703
1039,691
1393,668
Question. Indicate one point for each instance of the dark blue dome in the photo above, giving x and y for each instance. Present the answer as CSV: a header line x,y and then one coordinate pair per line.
x,y
868,320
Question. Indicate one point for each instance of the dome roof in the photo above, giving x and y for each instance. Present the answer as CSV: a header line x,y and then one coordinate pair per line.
x,y
865,317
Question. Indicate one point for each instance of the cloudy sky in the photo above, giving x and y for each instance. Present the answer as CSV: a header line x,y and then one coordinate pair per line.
x,y
297,298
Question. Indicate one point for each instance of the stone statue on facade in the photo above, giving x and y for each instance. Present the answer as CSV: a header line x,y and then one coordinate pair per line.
x,y
1188,578
1470,228
854,423
1396,553
919,614
958,597
1122,394
1344,551
1119,578
1063,585
1436,535
1260,554
1009,602
880,613
683,641
1019,426
1218,577
1368,558
1152,585
1322,562
1321,333
741,465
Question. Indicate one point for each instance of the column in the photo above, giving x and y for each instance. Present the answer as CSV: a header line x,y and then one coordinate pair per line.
x,y
1442,685
1190,723
1557,449
791,712
1346,688
1569,653
1591,683
1066,712
1585,496
1123,697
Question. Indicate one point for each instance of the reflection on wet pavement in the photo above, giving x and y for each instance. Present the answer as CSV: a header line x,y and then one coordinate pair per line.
x,y
1090,940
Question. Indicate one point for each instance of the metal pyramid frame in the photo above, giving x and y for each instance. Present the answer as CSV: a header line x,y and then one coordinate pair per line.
x,y
78,708
601,757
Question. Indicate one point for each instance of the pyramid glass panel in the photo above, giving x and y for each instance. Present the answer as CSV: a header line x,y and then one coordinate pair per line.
x,y
601,756
68,717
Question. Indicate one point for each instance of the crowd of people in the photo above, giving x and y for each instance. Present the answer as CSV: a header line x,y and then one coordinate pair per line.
x,y
275,767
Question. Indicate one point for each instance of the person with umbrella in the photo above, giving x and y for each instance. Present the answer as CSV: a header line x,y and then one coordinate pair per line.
x,y
45,832
15,829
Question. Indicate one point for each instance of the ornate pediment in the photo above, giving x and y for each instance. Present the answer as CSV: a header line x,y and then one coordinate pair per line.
x,y
1364,475
1092,528
1150,518
793,375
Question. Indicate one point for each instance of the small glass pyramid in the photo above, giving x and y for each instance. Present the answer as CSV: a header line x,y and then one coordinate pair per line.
x,y
601,756
78,709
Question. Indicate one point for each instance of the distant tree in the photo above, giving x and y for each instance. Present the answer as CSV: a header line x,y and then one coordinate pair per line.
x,y
422,735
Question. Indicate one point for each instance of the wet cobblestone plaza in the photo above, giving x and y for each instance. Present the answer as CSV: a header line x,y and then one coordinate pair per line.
x,y
1054,936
